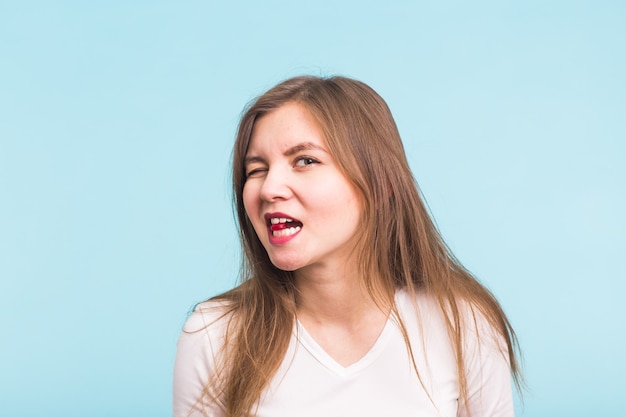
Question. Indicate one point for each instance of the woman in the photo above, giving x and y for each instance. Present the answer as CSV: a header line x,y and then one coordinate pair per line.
x,y
350,302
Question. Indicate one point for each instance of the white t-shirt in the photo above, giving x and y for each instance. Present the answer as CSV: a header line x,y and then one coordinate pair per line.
x,y
382,383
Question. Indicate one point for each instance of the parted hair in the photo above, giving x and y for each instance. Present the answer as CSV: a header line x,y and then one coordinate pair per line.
x,y
399,246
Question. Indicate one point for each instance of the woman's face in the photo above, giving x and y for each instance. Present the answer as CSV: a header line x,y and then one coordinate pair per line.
x,y
303,209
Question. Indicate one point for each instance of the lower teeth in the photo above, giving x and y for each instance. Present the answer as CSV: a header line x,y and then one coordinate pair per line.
x,y
286,232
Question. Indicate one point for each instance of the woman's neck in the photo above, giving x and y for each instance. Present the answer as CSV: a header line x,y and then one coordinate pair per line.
x,y
339,313
337,296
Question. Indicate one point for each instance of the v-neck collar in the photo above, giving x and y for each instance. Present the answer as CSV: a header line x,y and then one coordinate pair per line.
x,y
311,345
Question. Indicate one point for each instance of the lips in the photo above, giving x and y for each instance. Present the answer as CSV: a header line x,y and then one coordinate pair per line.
x,y
282,227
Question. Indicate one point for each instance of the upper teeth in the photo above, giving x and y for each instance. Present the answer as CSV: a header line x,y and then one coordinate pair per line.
x,y
276,220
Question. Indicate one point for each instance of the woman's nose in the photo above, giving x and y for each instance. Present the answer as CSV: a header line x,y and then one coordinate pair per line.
x,y
275,185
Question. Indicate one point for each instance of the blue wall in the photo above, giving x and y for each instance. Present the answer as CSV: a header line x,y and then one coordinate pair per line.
x,y
116,121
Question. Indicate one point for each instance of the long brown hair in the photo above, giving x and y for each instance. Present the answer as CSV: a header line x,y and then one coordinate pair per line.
x,y
399,246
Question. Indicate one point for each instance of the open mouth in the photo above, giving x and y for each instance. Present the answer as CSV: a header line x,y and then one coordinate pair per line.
x,y
283,226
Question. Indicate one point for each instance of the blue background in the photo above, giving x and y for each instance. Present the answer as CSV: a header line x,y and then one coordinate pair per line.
x,y
116,124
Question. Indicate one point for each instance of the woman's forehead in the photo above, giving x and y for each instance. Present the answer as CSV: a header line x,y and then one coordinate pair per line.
x,y
287,129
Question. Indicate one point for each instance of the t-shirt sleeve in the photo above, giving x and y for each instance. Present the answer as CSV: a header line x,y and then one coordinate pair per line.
x,y
489,388
195,364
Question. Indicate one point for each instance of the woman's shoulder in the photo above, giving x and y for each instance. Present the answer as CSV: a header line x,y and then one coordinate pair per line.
x,y
439,328
428,301
197,355
210,316
417,300
471,316
203,336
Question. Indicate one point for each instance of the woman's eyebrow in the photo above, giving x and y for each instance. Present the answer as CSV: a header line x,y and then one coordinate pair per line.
x,y
300,147
252,159
304,146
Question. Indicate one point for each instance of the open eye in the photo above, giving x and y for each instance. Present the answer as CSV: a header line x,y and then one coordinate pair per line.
x,y
304,161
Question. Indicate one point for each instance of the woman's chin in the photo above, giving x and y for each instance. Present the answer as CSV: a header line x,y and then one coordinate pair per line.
x,y
286,264
285,267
